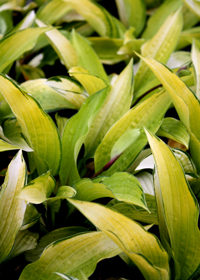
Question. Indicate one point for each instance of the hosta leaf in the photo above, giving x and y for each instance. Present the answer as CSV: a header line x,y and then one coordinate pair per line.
x,y
61,45
107,48
31,216
76,256
125,188
116,104
69,89
12,134
44,92
61,122
185,102
6,22
142,248
196,60
98,17
158,18
52,11
26,22
193,5
187,37
90,82
124,142
89,191
74,135
12,209
132,13
25,241
64,276
122,186
174,129
37,127
38,190
189,17
159,47
185,161
180,209
87,58
137,214
51,237
149,113
178,59
14,45
146,181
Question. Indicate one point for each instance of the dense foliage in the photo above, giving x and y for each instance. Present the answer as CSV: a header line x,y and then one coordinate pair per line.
x,y
99,139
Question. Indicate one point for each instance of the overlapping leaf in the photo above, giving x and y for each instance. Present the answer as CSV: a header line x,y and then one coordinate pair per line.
x,y
142,248
185,102
37,127
12,209
74,135
98,17
159,47
116,105
75,256
14,45
149,113
180,210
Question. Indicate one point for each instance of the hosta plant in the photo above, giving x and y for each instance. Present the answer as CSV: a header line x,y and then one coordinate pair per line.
x,y
99,139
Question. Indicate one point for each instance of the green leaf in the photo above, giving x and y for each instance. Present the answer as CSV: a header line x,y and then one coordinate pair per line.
x,y
26,22
76,256
125,188
148,113
70,90
116,105
52,11
174,129
185,102
196,60
187,37
25,241
37,127
132,13
74,135
107,48
142,248
90,82
61,122
53,236
138,213
44,91
64,276
61,45
14,45
158,18
124,142
98,17
189,17
87,58
180,209
38,190
185,161
31,216
12,209
159,47
194,6
6,22
178,59
89,191
12,134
